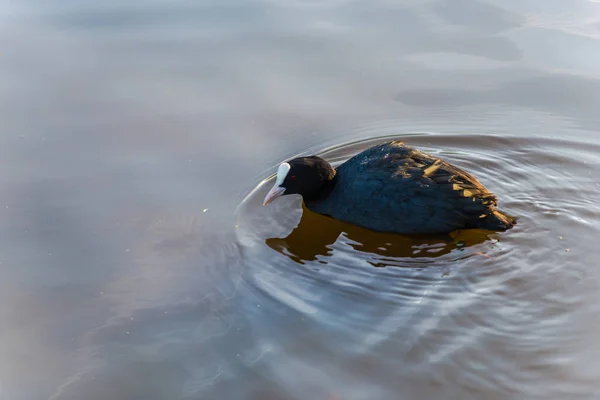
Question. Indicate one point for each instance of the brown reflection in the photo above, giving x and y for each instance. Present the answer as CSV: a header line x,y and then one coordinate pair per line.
x,y
316,233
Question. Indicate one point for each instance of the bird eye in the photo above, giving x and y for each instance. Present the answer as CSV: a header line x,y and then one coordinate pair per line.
x,y
293,177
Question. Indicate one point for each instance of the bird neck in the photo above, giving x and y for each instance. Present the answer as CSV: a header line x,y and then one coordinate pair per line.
x,y
322,192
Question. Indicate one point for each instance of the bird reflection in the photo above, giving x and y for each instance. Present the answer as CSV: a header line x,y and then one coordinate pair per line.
x,y
315,234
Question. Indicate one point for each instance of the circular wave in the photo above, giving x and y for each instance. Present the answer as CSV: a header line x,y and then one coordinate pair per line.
x,y
394,299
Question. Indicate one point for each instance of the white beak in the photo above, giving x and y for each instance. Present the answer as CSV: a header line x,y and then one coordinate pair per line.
x,y
278,191
275,192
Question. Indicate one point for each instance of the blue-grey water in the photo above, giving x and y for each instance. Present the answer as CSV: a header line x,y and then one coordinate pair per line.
x,y
137,139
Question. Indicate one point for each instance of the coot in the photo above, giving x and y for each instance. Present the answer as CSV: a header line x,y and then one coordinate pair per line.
x,y
394,188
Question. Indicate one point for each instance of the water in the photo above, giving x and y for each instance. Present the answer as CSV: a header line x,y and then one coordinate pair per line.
x,y
137,141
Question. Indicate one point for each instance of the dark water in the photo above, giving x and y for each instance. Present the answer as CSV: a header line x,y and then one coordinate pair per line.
x,y
137,263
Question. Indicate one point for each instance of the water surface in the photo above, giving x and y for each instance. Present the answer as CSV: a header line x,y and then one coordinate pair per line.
x,y
137,142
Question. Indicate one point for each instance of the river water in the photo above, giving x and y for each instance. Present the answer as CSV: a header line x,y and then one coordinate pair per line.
x,y
139,137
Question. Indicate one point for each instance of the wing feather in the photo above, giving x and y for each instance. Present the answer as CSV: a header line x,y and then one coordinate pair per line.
x,y
408,185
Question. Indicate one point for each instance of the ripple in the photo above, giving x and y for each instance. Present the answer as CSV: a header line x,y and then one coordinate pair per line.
x,y
437,301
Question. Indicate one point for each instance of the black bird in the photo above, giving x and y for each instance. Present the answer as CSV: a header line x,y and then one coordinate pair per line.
x,y
394,188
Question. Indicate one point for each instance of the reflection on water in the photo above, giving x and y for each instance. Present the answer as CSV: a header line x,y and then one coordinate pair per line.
x,y
131,268
315,235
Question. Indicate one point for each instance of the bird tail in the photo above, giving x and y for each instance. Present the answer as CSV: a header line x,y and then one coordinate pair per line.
x,y
498,221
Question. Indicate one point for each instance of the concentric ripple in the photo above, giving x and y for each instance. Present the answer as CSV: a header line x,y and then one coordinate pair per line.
x,y
440,303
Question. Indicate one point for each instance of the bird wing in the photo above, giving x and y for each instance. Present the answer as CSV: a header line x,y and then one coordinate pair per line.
x,y
415,188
